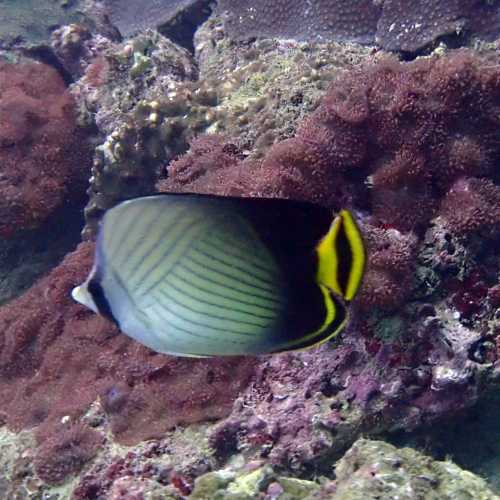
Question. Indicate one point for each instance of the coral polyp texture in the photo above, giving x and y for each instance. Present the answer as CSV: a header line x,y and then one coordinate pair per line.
x,y
44,156
394,24
341,20
66,452
390,138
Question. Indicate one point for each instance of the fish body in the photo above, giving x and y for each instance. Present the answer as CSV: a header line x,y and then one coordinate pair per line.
x,y
199,275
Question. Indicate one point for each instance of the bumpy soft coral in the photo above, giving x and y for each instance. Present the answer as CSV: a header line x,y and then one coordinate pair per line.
x,y
472,205
407,130
391,262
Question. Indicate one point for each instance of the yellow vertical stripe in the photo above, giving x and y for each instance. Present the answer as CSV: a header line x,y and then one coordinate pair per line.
x,y
327,272
328,260
358,254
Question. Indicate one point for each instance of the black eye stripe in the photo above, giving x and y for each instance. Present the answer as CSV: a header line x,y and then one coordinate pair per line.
x,y
96,291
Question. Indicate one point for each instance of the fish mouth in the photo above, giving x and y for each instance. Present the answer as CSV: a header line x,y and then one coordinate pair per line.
x,y
81,295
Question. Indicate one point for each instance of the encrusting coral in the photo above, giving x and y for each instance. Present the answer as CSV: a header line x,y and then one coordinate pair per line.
x,y
393,24
369,469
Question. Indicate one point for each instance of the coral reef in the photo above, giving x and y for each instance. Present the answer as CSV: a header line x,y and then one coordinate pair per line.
x,y
117,92
338,20
369,469
76,47
411,148
372,469
471,440
165,467
378,141
56,359
116,77
44,155
264,89
392,23
17,476
66,453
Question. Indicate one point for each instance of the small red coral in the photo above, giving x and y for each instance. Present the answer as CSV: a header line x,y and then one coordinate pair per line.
x,y
201,168
66,452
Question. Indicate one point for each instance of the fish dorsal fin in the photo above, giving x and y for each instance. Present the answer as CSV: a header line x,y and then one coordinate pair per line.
x,y
341,257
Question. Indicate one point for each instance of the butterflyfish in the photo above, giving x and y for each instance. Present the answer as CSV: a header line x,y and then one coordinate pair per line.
x,y
200,275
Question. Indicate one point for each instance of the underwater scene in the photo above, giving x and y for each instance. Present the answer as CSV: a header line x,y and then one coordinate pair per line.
x,y
249,249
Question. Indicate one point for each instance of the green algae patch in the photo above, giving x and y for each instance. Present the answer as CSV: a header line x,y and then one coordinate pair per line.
x,y
375,469
228,484
297,488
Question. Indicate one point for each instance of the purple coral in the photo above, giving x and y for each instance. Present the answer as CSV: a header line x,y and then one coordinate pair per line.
x,y
393,24
341,19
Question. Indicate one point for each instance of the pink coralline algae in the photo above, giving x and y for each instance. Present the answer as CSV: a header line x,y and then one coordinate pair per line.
x,y
479,202
56,358
44,156
393,24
